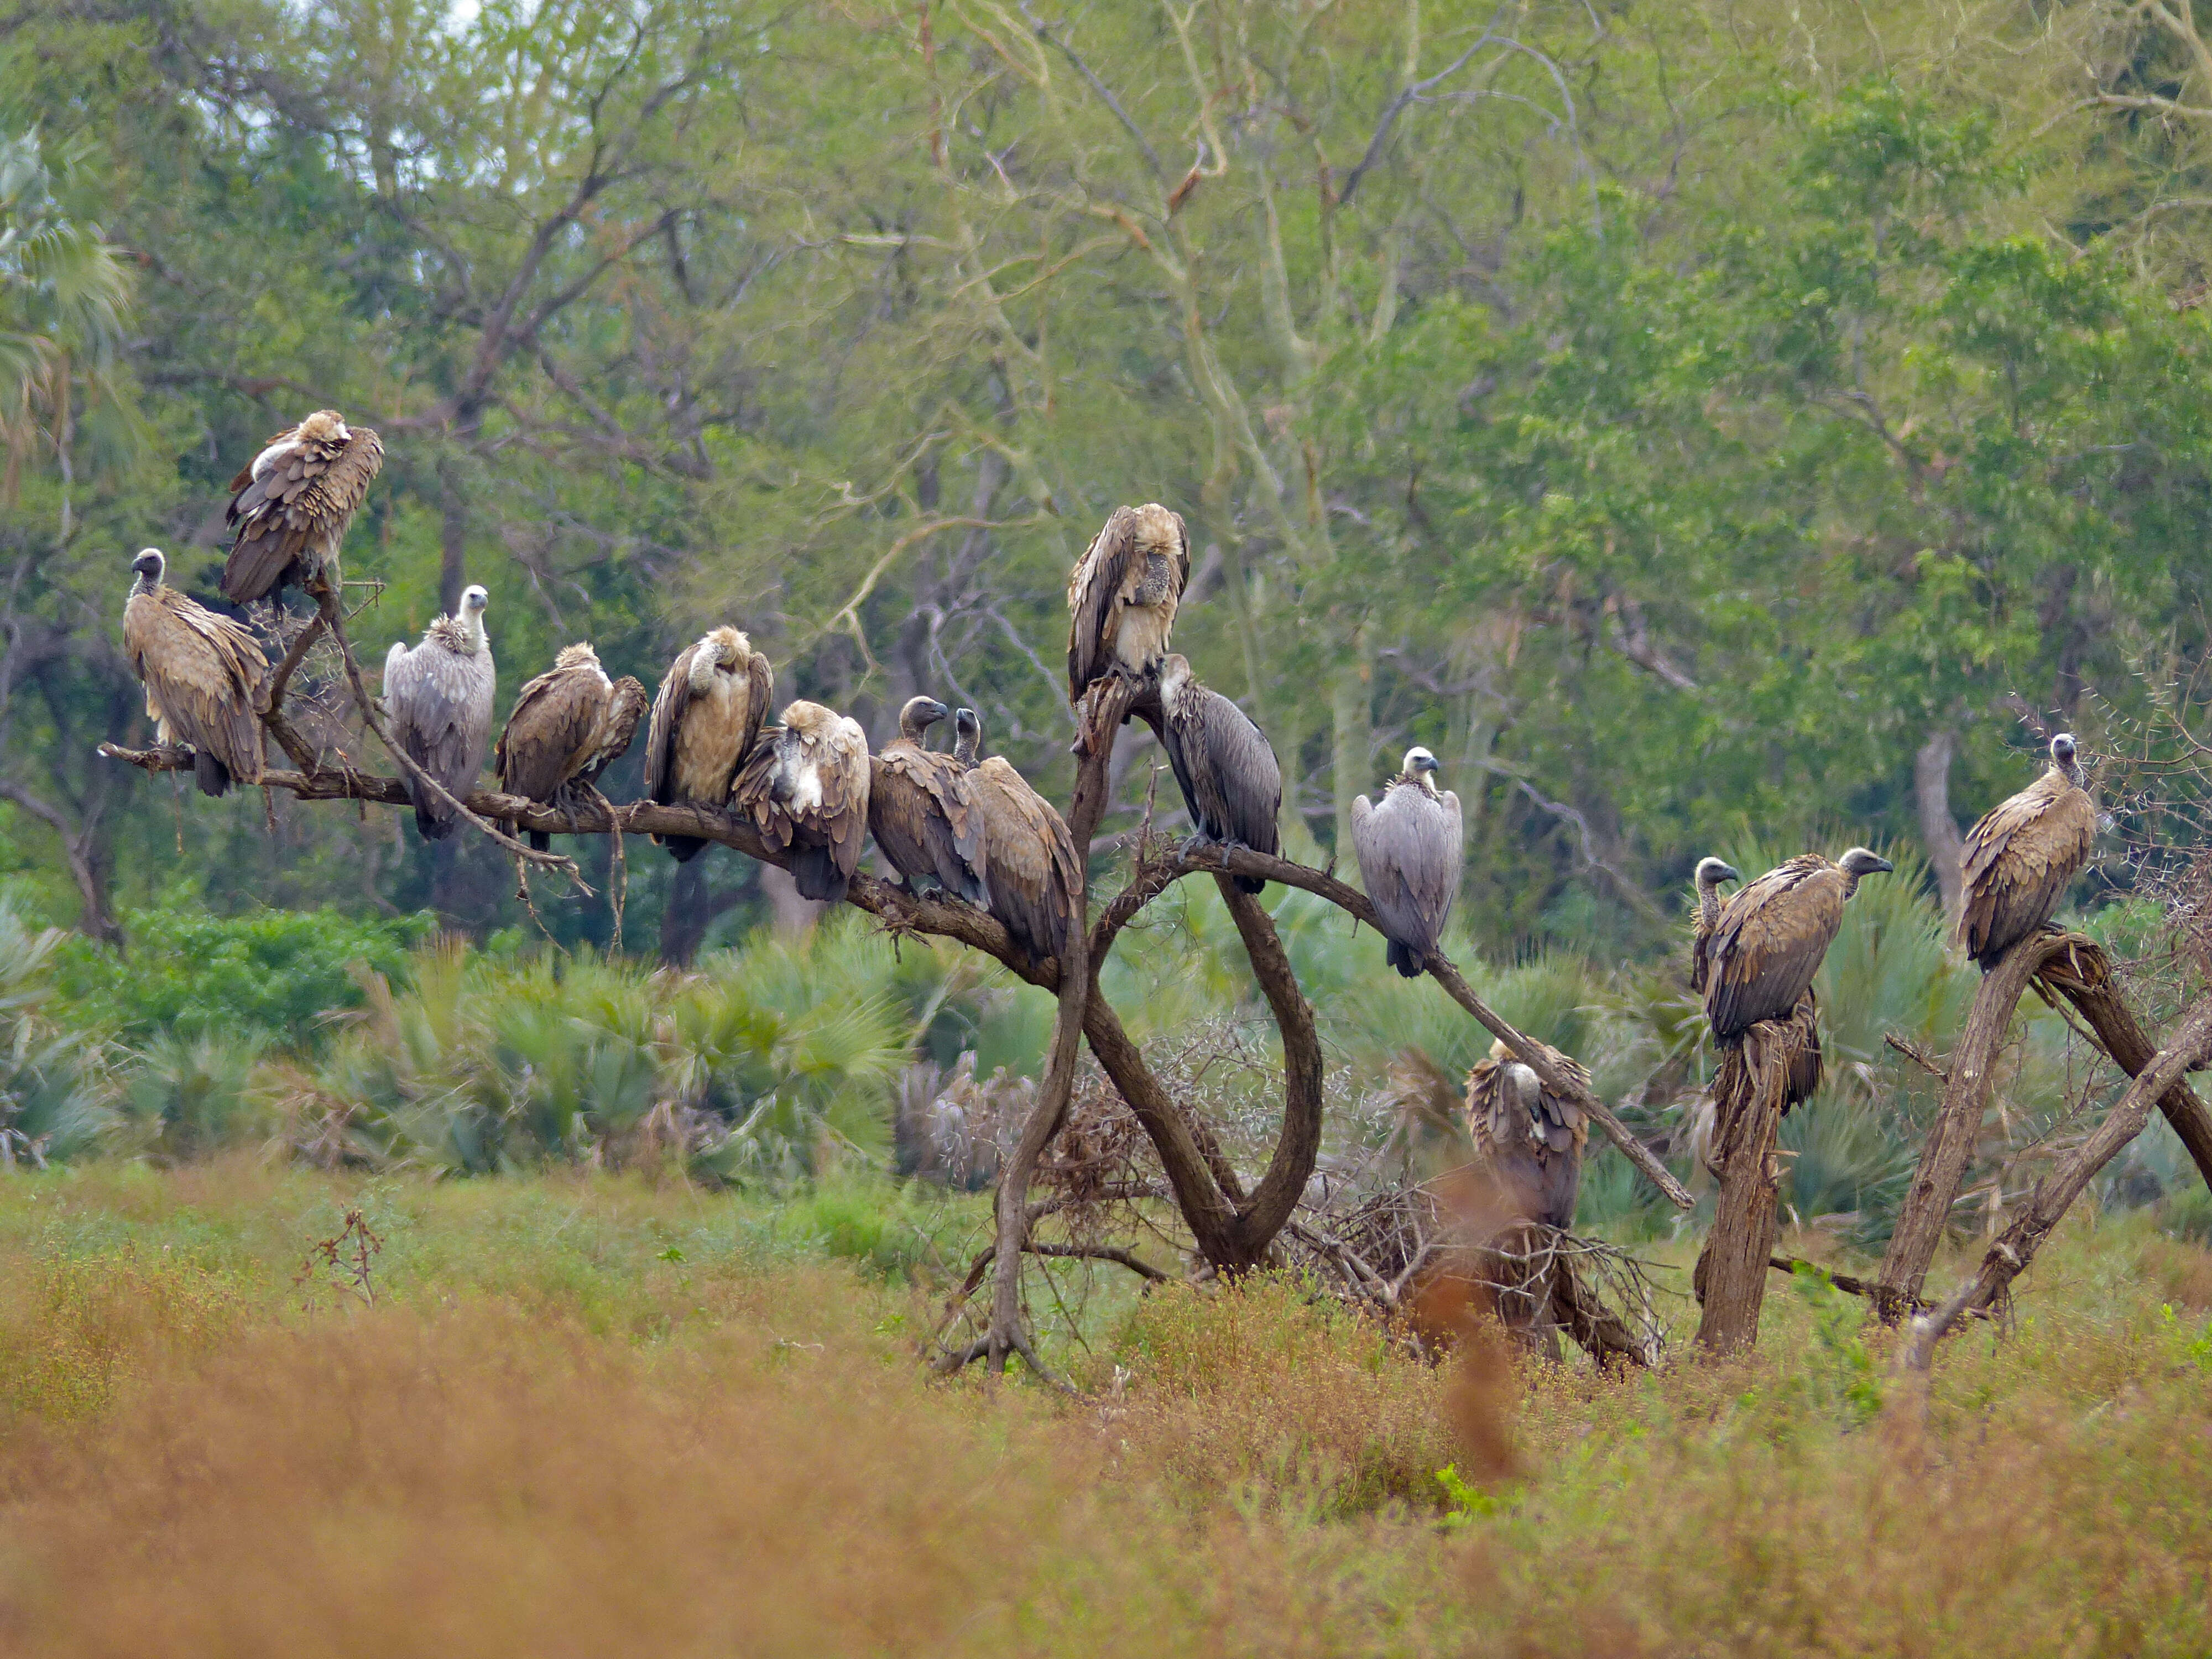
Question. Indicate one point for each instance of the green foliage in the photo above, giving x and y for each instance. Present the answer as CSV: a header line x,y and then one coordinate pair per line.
x,y
53,1089
273,976
184,1098
1847,1374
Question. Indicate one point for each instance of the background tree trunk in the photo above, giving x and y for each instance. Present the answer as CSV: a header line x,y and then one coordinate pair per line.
x,y
1939,830
1748,1099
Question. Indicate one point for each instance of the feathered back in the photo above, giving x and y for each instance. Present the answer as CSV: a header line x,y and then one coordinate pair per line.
x,y
1409,851
2020,859
291,506
202,672
1769,943
1139,561
1529,1138
806,789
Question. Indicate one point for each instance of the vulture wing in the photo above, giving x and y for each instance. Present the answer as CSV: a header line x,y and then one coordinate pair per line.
x,y
1098,579
927,821
296,512
1241,784
1030,860
625,707
1769,942
200,671
440,704
548,734
2020,859
668,705
1409,860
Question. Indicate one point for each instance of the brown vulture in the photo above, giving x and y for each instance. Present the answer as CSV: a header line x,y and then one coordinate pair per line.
x,y
1711,873
706,718
439,697
923,811
1409,845
1765,947
1530,1139
1122,594
2023,855
1227,772
1029,852
200,671
807,787
292,506
568,725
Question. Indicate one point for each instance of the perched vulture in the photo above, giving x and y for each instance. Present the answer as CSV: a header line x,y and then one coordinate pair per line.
x,y
1409,845
1768,942
1222,762
2023,855
923,811
292,506
568,725
200,671
439,697
1530,1139
1123,593
1028,853
709,710
806,787
1711,872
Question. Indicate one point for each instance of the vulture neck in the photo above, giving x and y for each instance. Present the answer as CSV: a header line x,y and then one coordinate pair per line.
x,y
143,584
2070,771
1708,905
1421,780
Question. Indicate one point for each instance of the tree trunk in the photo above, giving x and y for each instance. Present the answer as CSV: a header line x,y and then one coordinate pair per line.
x,y
794,917
1950,1145
453,535
1352,741
1939,830
96,920
1755,1076
691,908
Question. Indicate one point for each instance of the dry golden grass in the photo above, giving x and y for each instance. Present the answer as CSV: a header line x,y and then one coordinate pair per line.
x,y
600,1418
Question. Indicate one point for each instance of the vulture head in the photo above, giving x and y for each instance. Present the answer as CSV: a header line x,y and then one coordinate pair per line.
x,y
1711,872
1860,862
2063,756
148,566
1159,533
968,736
724,648
1175,680
325,426
578,655
1527,1088
1420,768
474,600
918,716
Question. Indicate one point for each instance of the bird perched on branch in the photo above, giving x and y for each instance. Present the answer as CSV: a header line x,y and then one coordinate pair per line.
x,y
1409,845
1035,875
1530,1139
202,672
2023,854
438,696
291,506
1767,945
923,811
705,719
1123,596
806,788
1224,764
567,727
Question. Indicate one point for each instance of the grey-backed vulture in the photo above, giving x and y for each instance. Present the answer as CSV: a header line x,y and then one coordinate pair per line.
x,y
438,696
1029,852
1530,1139
1408,844
291,506
1123,596
923,813
1223,763
200,671
566,726
1767,945
706,718
2023,854
1711,873
806,787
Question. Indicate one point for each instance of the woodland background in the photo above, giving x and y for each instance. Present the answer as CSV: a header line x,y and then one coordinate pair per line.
x,y
1680,418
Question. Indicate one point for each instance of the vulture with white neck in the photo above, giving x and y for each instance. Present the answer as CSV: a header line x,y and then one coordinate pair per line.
x,y
439,696
1409,845
202,672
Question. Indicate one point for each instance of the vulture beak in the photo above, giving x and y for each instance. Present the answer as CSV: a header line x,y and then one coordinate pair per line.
x,y
1727,872
936,711
1883,866
148,564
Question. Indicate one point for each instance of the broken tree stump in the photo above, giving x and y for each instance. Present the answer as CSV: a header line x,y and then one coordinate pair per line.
x,y
1748,1108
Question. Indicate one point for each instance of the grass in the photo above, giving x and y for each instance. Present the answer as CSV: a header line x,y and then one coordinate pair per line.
x,y
591,1414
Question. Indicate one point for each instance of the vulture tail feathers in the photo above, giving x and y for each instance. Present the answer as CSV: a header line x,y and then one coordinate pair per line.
x,y
540,842
430,825
1405,958
212,775
814,870
683,848
1250,884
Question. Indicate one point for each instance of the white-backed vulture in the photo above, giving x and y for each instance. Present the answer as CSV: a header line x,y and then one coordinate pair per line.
x,y
1770,938
1711,873
1123,596
706,718
291,506
1530,1139
2023,854
806,787
438,696
1408,844
923,813
566,726
1224,764
200,671
1029,852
